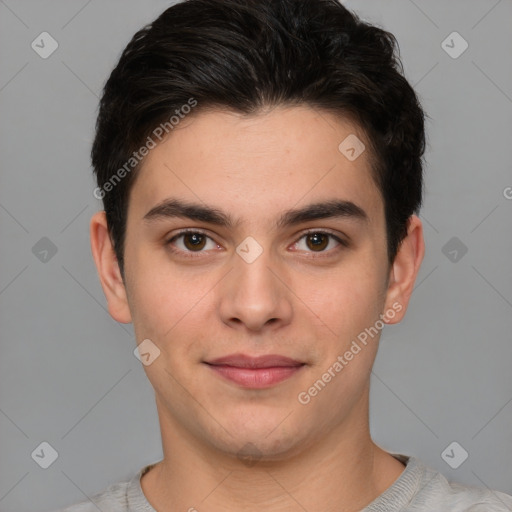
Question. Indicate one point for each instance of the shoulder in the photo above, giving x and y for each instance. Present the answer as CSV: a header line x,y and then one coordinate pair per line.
x,y
437,493
112,498
122,496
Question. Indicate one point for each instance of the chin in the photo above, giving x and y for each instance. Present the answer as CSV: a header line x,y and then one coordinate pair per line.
x,y
262,444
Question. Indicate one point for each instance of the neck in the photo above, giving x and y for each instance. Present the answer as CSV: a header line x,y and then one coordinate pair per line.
x,y
343,471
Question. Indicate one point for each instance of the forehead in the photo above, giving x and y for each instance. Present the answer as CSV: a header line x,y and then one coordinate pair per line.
x,y
259,165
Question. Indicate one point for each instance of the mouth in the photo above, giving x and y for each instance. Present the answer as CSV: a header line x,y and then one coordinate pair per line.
x,y
255,372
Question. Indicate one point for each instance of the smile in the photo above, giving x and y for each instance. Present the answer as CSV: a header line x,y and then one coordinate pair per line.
x,y
255,372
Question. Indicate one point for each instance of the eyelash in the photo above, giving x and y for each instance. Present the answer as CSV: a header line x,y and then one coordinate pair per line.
x,y
197,254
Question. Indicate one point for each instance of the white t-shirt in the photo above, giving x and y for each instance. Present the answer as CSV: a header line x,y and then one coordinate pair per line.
x,y
418,489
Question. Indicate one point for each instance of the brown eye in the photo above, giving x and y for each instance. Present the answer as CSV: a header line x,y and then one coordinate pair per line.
x,y
191,243
317,241
194,241
320,242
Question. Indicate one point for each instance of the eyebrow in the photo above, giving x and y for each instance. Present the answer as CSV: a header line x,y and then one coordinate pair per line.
x,y
334,208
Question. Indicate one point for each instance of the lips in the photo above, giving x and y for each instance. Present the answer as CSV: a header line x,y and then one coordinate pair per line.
x,y
244,361
255,372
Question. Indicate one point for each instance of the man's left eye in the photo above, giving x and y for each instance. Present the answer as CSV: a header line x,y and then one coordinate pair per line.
x,y
319,241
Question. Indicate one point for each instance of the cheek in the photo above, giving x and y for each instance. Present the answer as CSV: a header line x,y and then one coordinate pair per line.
x,y
349,303
347,298
163,298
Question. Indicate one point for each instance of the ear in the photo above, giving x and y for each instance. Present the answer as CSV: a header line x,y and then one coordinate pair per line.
x,y
403,272
108,269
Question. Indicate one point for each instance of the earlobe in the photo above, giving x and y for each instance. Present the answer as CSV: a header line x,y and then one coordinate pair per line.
x,y
404,271
108,269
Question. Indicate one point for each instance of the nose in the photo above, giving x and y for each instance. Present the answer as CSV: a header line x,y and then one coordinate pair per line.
x,y
254,295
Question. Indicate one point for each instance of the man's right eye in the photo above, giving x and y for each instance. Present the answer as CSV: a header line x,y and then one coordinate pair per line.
x,y
193,241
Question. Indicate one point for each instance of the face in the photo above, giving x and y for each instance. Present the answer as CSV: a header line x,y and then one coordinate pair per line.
x,y
254,269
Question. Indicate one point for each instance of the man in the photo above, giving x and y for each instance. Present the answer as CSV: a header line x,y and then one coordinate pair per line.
x,y
260,165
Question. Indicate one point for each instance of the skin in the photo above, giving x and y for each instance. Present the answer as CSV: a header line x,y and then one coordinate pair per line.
x,y
295,300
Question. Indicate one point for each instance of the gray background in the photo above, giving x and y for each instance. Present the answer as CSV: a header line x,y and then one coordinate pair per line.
x,y
68,373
